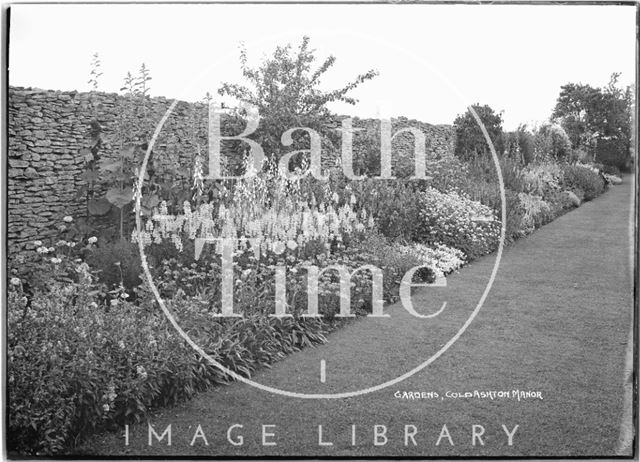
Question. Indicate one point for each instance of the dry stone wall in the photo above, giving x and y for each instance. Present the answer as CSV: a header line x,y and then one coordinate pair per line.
x,y
48,130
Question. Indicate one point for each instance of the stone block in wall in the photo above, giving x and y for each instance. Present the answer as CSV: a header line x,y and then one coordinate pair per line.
x,y
17,163
30,172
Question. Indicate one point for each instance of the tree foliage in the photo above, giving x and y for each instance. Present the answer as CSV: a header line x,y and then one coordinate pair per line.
x,y
286,90
597,120
470,141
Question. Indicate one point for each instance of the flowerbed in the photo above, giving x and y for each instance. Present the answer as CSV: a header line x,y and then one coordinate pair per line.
x,y
457,221
89,350
74,368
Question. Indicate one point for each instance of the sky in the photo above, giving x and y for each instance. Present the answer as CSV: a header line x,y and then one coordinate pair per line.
x,y
433,60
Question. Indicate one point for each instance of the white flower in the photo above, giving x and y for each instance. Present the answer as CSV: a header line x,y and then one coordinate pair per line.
x,y
93,240
292,244
15,281
124,295
105,407
37,243
55,260
51,249
114,302
278,247
61,242
141,372
111,393
68,219
42,250
93,305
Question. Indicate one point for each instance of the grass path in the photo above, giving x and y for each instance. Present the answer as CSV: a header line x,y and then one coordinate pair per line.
x,y
556,322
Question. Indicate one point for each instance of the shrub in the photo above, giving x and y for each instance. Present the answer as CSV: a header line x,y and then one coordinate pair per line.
x,y
537,212
581,178
67,373
46,265
484,170
579,193
571,198
541,179
489,195
117,263
553,142
609,169
393,204
448,174
526,142
440,259
520,145
613,152
73,367
515,214
377,250
561,202
457,221
612,179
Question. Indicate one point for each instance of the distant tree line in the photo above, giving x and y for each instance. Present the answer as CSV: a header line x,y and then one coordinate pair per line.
x,y
587,124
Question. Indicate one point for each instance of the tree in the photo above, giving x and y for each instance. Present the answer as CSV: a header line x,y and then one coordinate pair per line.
x,y
576,110
286,90
470,141
597,120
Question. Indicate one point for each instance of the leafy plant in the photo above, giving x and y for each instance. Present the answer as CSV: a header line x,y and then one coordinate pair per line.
x,y
74,368
537,212
520,145
393,204
286,90
109,181
457,221
552,142
582,179
598,120
470,141
116,264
